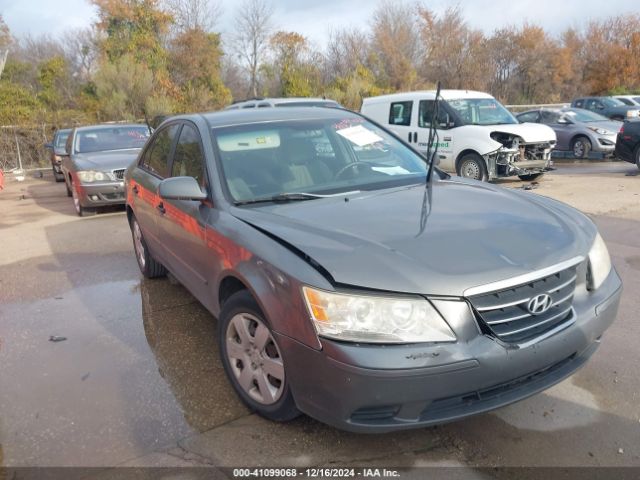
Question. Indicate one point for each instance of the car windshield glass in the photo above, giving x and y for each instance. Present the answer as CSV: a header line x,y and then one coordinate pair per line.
x,y
612,102
580,115
111,138
61,139
324,156
482,111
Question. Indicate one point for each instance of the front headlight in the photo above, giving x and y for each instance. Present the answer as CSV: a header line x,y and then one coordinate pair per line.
x,y
599,264
601,131
90,176
373,319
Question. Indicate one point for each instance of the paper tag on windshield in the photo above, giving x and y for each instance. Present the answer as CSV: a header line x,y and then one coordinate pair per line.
x,y
360,135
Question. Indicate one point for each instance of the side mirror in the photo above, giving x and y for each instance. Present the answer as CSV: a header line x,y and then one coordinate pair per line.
x,y
48,146
600,107
181,188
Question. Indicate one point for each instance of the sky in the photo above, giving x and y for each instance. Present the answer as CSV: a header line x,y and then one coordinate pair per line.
x,y
315,18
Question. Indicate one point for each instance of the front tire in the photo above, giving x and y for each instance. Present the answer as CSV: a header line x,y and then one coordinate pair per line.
x,y
530,177
149,266
472,165
637,156
58,177
581,147
252,360
80,210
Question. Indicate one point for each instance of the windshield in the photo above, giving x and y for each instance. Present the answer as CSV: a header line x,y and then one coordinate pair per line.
x,y
580,115
61,138
326,156
482,111
112,138
612,102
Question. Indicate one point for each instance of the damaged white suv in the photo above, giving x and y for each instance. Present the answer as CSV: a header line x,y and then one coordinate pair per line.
x,y
477,137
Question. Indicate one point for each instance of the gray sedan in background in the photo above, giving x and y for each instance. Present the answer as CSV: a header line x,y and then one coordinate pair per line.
x,y
94,163
577,130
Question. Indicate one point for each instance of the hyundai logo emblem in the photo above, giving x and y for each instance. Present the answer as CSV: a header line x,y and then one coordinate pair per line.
x,y
539,304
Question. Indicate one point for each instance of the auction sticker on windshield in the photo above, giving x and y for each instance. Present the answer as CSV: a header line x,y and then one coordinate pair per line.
x,y
359,135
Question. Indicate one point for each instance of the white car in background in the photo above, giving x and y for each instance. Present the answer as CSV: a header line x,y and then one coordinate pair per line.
x,y
477,136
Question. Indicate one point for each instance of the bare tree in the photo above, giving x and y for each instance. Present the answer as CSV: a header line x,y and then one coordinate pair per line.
x,y
81,52
346,49
253,29
195,14
5,42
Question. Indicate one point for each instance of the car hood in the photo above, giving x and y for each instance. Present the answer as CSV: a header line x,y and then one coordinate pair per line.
x,y
529,132
471,235
106,160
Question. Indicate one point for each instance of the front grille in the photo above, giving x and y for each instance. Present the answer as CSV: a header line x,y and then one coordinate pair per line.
x,y
119,174
505,313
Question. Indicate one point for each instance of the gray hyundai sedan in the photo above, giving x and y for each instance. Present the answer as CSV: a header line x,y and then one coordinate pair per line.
x,y
347,286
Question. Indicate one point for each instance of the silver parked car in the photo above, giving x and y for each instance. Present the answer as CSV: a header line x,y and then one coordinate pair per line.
x,y
577,130
353,282
94,162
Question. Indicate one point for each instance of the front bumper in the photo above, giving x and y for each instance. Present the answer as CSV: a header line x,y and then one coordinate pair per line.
x,y
367,388
101,194
604,144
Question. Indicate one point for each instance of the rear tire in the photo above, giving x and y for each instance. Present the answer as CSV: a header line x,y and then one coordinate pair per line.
x,y
637,156
149,266
581,147
472,165
252,360
530,177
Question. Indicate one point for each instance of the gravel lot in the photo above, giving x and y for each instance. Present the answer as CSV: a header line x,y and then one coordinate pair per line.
x,y
138,383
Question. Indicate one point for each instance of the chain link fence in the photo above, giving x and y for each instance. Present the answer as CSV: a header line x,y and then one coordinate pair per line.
x,y
22,147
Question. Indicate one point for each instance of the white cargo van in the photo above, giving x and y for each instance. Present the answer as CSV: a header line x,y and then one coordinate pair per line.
x,y
477,136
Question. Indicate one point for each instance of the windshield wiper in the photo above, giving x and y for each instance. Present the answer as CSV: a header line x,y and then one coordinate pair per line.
x,y
433,136
293,197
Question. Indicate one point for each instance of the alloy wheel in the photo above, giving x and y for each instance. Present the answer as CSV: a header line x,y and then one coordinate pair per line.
x,y
138,246
255,359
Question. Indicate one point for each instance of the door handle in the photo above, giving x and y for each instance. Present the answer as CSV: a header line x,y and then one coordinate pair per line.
x,y
409,137
161,208
135,189
415,137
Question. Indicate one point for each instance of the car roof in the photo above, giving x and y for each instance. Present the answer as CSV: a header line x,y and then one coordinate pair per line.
x,y
225,118
429,94
104,126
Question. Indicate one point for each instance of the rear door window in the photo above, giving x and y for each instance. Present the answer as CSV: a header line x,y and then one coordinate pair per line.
x,y
400,113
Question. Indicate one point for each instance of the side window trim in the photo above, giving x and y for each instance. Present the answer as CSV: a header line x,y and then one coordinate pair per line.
x,y
150,145
205,170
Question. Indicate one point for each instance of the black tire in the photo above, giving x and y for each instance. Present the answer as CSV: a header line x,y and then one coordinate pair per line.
x,y
242,307
66,184
58,177
149,266
530,177
581,147
636,155
472,165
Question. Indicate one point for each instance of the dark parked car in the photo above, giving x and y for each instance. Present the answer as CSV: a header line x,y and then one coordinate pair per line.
x,y
610,107
57,151
577,130
95,160
628,142
348,287
284,102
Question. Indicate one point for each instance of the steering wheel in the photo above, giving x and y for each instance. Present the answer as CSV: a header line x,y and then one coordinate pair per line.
x,y
348,167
